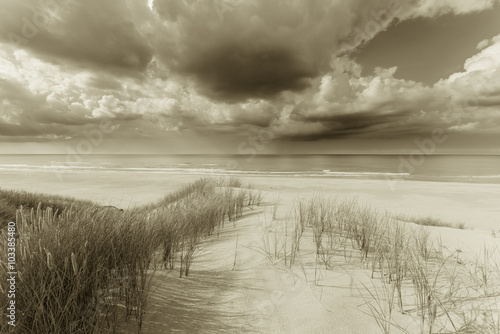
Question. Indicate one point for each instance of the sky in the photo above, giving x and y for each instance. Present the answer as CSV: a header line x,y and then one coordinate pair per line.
x,y
255,76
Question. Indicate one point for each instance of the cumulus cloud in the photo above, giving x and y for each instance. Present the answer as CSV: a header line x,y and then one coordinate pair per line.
x,y
346,104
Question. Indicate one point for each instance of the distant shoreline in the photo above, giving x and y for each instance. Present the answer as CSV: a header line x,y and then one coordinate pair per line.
x,y
389,177
389,168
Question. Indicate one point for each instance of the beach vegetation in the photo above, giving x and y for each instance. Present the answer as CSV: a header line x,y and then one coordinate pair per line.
x,y
85,268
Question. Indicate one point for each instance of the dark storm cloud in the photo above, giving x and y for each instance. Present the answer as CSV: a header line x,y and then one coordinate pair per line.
x,y
236,72
51,116
32,129
256,49
92,33
361,123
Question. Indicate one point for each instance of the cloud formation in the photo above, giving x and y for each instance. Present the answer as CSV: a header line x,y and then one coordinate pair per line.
x,y
228,66
88,33
383,106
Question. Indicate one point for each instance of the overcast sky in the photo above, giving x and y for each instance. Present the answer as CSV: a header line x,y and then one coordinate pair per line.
x,y
223,76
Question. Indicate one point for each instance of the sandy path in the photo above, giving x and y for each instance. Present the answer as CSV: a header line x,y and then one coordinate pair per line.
x,y
253,296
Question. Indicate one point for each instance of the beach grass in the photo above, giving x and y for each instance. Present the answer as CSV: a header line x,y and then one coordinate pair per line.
x,y
431,286
11,200
429,221
85,268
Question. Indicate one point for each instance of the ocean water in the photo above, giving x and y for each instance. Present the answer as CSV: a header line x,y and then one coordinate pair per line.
x,y
451,168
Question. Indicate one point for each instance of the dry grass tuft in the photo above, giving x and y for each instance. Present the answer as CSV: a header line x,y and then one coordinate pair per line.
x,y
84,268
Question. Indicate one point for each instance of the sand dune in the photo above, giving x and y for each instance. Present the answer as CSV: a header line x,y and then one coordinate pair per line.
x,y
256,295
235,286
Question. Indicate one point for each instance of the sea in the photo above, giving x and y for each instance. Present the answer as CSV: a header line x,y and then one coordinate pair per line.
x,y
438,168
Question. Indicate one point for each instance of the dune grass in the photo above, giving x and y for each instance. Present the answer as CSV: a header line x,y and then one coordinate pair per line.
x,y
11,200
429,221
430,286
84,268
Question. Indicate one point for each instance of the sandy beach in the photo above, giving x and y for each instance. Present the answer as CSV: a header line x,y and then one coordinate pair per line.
x,y
234,287
475,205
